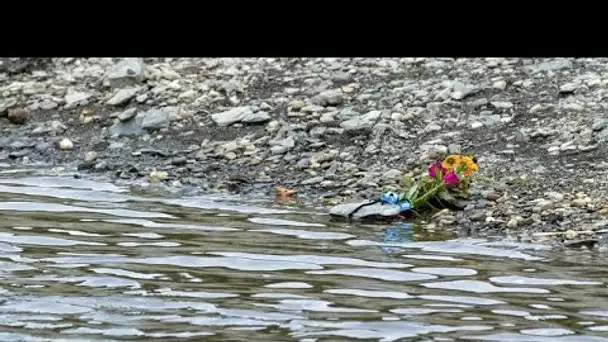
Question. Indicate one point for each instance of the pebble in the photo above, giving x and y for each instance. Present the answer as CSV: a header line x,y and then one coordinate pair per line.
x,y
158,175
512,223
579,202
66,144
90,156
542,205
17,116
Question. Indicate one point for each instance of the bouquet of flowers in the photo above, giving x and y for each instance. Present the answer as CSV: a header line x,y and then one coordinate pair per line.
x,y
444,181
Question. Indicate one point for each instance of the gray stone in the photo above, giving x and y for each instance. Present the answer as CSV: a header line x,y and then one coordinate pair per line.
x,y
542,108
127,72
310,181
568,88
502,104
454,149
127,114
341,77
359,211
363,121
239,114
76,98
282,146
556,64
461,91
392,175
599,124
257,117
150,120
154,118
479,103
492,120
122,96
90,156
5,104
331,97
542,205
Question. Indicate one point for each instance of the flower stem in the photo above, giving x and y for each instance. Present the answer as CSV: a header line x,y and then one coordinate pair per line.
x,y
426,197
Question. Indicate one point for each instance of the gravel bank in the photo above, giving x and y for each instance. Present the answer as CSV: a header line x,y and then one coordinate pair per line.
x,y
334,129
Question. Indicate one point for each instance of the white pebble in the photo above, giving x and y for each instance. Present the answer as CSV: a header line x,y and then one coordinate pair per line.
x,y
66,144
476,125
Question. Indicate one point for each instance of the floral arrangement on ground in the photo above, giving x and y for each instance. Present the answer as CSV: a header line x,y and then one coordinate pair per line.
x,y
443,186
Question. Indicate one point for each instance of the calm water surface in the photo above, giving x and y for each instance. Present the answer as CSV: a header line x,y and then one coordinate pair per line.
x,y
89,261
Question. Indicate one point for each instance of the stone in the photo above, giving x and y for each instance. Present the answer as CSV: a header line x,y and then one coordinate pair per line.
x,y
282,146
90,156
542,108
568,88
239,114
158,175
17,116
392,175
570,234
579,202
502,104
296,105
57,126
66,144
331,97
127,72
492,120
554,65
363,121
341,77
154,119
476,125
542,205
310,181
5,104
599,124
461,91
122,96
454,148
73,98
502,85
432,127
257,117
555,196
361,210
512,223
127,114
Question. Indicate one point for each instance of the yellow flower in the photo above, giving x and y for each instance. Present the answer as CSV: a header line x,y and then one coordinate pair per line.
x,y
465,163
451,162
469,165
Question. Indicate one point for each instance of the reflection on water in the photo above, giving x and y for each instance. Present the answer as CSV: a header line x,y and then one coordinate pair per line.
x,y
88,261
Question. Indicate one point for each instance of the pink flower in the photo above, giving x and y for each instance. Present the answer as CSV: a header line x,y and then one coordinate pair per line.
x,y
437,167
451,179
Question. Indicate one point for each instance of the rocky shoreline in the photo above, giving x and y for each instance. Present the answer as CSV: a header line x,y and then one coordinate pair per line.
x,y
334,129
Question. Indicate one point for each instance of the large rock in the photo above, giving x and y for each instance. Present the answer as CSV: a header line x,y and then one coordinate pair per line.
x,y
239,114
363,121
361,210
122,96
127,72
142,122
75,98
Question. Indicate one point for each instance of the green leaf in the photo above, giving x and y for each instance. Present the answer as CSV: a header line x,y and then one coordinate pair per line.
x,y
412,192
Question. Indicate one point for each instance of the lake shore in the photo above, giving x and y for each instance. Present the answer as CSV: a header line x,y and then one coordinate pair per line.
x,y
335,130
